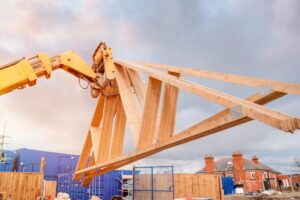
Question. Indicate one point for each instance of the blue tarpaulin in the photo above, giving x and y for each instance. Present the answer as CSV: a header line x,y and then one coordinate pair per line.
x,y
228,185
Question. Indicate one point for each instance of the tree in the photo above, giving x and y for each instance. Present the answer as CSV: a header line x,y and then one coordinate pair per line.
x,y
296,163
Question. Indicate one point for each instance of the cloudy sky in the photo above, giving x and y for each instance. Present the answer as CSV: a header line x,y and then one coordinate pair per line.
x,y
253,38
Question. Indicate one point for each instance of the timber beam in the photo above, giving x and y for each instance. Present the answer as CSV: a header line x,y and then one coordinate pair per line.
x,y
289,88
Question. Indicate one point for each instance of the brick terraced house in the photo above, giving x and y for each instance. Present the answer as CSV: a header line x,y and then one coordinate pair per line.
x,y
248,175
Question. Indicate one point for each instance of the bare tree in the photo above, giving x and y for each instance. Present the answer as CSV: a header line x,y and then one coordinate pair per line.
x,y
296,163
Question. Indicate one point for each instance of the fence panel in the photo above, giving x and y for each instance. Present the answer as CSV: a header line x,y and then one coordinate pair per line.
x,y
153,183
198,185
25,186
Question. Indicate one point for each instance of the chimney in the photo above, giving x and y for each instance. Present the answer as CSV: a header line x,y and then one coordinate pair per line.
x,y
255,159
238,166
209,164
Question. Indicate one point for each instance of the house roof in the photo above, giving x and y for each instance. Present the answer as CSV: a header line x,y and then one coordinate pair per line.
x,y
226,164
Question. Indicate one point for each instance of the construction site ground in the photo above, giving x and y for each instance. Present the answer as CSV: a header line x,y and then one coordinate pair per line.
x,y
291,195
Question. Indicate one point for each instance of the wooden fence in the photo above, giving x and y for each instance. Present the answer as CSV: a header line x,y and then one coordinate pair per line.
x,y
198,185
21,185
185,185
162,183
50,189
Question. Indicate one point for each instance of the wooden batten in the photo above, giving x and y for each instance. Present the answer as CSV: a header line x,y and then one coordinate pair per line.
x,y
279,86
84,156
43,163
87,180
138,85
130,106
96,137
98,111
116,148
88,145
150,112
106,126
168,113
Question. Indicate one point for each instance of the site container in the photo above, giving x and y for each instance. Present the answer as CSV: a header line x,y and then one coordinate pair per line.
x,y
28,160
6,161
104,186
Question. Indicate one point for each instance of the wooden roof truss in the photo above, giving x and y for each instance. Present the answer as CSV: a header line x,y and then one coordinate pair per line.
x,y
128,99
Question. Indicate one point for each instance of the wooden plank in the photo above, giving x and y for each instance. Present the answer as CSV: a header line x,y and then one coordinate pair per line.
x,y
119,132
95,137
87,180
168,113
87,147
84,156
260,113
15,182
133,115
42,166
101,149
107,125
95,133
91,174
138,85
150,113
98,111
284,87
201,129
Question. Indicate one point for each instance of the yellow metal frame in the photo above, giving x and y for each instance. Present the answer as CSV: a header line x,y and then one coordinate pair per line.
x,y
17,76
27,71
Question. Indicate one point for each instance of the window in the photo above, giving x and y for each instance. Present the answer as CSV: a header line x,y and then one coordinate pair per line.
x,y
252,175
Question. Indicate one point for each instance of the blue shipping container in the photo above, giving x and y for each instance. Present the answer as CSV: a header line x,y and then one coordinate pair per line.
x,y
6,164
60,167
29,161
104,186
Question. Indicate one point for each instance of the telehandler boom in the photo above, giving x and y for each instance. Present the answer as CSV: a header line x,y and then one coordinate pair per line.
x,y
26,71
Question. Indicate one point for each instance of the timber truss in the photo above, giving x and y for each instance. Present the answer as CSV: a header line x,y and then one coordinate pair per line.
x,y
126,98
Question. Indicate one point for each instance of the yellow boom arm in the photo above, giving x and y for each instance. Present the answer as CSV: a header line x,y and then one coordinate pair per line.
x,y
26,71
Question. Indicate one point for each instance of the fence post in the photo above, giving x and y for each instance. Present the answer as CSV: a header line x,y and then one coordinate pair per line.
x,y
291,183
42,167
152,189
221,188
